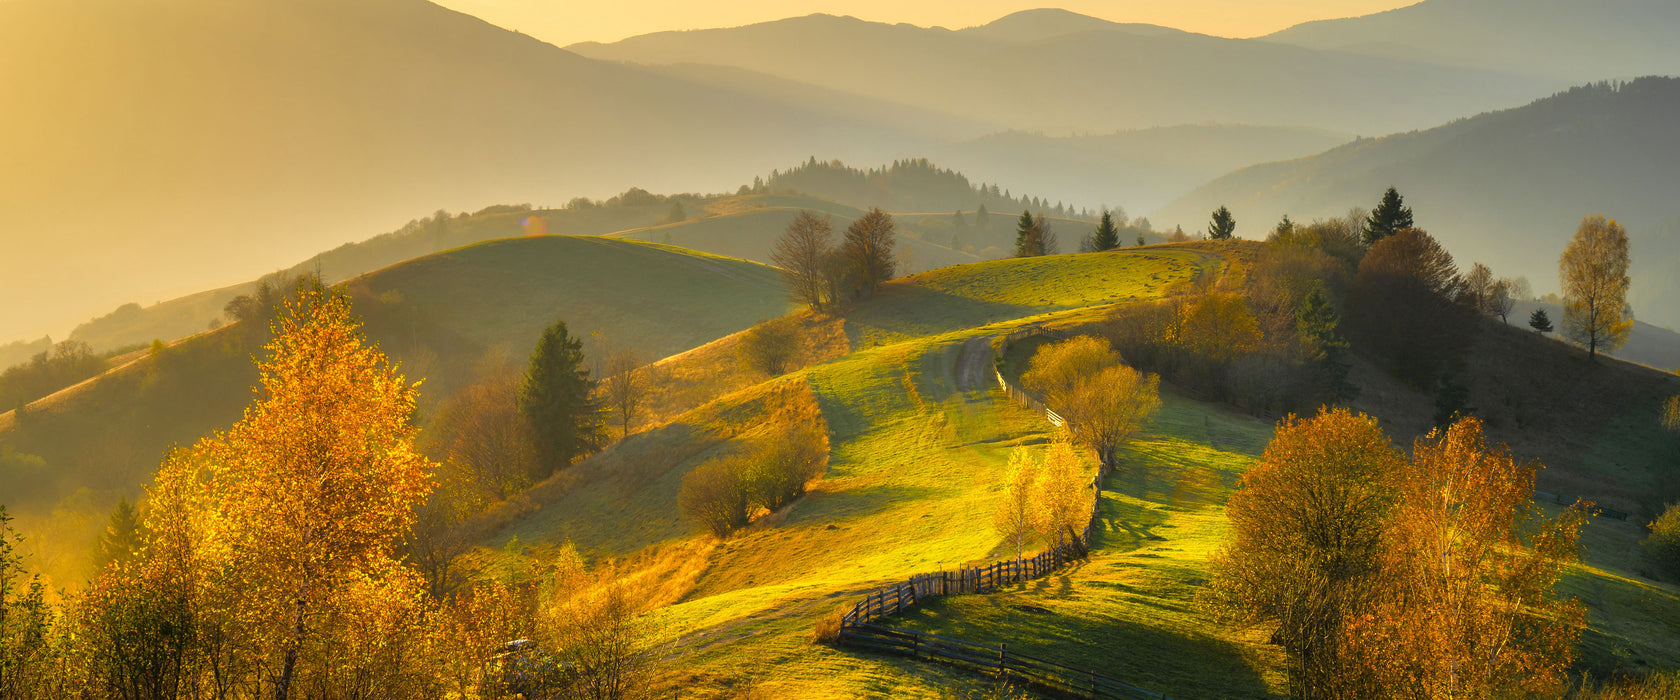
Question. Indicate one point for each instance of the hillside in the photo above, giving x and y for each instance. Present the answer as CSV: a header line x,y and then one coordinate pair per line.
x,y
1567,39
918,443
257,153
917,449
1508,188
1141,169
445,317
716,219
1028,73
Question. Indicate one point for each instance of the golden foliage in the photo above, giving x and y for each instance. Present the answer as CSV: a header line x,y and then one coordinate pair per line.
x,y
1014,518
1306,533
1594,275
1467,570
1102,401
1386,577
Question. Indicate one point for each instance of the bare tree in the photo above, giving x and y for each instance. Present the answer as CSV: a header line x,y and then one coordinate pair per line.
x,y
1594,274
625,388
1477,290
1501,301
869,250
802,252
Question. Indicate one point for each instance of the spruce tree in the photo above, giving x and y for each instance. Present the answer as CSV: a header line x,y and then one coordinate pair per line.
x,y
1223,226
981,217
1540,322
557,399
1028,237
1390,216
1108,237
1318,326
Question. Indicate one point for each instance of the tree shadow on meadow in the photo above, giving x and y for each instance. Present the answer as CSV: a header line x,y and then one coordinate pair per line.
x,y
1175,662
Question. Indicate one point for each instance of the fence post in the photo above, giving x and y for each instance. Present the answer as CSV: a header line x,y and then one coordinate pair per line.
x,y
1003,659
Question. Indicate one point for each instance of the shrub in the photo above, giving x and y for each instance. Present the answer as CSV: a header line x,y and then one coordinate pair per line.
x,y
779,470
771,347
714,495
1662,546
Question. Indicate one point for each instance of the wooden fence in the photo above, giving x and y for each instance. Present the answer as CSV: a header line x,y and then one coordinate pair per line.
x,y
893,599
997,660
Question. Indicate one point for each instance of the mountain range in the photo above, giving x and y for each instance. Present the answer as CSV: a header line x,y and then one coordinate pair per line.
x,y
203,143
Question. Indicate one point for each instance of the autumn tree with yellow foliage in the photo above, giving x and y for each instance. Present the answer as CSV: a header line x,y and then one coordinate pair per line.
x,y
1388,577
1594,274
1103,401
283,527
1467,608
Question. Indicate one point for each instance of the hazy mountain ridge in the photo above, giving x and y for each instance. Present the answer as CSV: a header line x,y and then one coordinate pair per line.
x,y
201,138
1102,79
1568,39
1506,188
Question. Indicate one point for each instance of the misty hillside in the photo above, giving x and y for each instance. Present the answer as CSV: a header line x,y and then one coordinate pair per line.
x,y
1139,169
1569,39
1028,73
1506,188
217,141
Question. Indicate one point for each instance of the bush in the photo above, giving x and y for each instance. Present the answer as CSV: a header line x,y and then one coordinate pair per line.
x,y
714,495
778,471
771,347
722,494
1662,546
827,629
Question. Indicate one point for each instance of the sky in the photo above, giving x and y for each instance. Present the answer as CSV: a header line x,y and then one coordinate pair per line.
x,y
563,22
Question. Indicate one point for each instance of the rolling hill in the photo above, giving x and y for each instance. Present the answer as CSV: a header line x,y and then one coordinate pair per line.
x,y
203,142
918,447
1057,73
1507,188
445,317
1575,41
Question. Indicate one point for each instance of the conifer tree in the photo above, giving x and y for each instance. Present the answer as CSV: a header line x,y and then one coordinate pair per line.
x,y
1108,237
557,400
1390,216
1027,241
1223,226
1540,322
981,217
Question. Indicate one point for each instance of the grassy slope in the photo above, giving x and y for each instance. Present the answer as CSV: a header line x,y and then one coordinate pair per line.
x,y
441,316
915,471
916,460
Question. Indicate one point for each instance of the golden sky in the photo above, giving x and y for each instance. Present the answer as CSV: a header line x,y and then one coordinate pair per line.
x,y
563,22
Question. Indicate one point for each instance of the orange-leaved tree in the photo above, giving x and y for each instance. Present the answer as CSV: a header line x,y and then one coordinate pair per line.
x,y
1467,608
1103,401
1306,538
296,508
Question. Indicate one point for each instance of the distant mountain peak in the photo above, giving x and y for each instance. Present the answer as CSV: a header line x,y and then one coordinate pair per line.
x,y
1049,23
